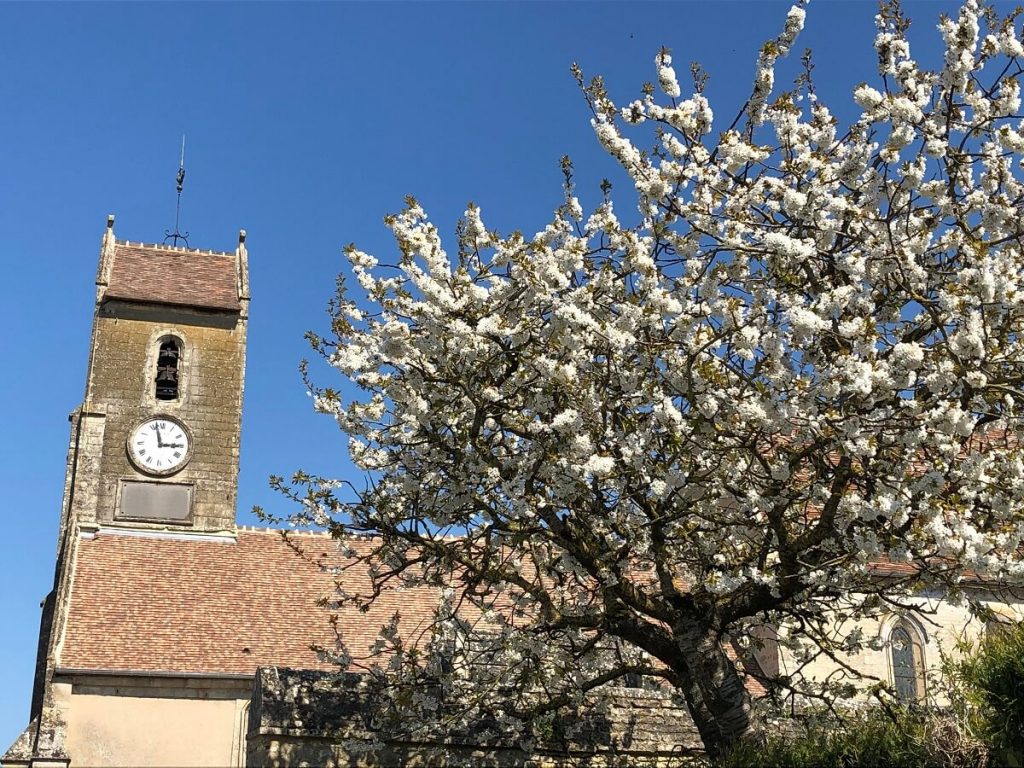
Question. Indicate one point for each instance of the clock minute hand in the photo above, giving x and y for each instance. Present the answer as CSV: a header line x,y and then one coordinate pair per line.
x,y
159,442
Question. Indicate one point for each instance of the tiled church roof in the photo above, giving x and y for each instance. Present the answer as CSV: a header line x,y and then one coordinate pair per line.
x,y
171,605
146,604
164,275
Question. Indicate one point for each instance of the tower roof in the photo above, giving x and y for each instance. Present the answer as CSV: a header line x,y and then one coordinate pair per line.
x,y
178,276
146,273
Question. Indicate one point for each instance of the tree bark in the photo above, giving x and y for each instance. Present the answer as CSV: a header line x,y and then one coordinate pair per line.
x,y
718,701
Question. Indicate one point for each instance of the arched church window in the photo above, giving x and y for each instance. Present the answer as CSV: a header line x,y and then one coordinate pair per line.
x,y
907,662
167,374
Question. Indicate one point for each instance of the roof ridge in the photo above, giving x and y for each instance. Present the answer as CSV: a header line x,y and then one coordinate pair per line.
x,y
298,532
173,248
289,531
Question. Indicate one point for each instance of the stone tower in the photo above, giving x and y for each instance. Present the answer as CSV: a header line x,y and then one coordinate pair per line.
x,y
155,444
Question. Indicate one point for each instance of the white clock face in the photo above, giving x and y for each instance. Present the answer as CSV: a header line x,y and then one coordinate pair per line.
x,y
160,446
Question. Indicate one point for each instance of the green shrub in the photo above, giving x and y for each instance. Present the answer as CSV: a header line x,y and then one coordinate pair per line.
x,y
873,737
870,737
993,680
983,726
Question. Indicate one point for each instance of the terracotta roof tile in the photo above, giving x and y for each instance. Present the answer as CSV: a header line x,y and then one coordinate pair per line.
x,y
163,275
169,605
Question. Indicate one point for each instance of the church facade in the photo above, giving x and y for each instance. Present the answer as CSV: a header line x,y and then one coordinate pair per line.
x,y
173,636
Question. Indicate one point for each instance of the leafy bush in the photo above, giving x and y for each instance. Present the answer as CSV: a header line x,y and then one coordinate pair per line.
x,y
984,725
872,737
876,737
992,680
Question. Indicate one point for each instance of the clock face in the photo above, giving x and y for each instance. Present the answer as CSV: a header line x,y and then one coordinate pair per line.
x,y
160,446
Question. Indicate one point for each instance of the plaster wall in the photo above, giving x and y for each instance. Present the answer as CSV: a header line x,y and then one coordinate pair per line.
x,y
944,629
109,729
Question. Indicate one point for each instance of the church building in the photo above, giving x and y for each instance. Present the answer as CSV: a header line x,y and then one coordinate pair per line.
x,y
175,637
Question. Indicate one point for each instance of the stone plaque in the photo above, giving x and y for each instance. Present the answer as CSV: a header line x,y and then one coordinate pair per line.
x,y
170,502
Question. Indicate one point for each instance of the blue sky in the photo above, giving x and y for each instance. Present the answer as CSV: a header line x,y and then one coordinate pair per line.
x,y
306,124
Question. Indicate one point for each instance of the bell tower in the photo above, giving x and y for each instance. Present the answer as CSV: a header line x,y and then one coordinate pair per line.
x,y
155,442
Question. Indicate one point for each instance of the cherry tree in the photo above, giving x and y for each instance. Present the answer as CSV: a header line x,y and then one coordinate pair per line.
x,y
615,449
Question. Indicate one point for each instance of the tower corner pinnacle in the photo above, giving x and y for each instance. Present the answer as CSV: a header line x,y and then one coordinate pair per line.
x,y
107,247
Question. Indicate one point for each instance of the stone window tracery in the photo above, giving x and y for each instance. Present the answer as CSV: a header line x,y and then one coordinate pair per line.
x,y
906,658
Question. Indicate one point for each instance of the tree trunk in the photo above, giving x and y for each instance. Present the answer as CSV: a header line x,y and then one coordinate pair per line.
x,y
715,694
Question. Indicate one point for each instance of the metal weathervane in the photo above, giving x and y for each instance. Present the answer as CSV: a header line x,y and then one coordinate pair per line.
x,y
177,235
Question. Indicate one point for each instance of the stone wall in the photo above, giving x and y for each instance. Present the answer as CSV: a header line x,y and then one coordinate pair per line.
x,y
299,717
120,387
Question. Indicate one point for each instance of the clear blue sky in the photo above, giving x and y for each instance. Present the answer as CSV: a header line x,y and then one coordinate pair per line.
x,y
306,124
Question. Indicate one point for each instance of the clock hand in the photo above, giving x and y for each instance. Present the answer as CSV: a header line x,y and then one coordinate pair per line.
x,y
159,442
